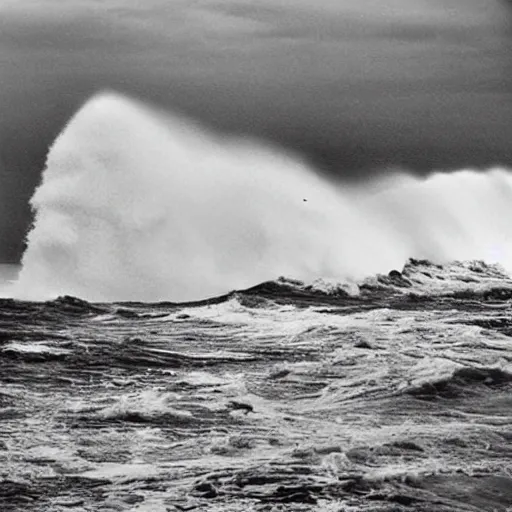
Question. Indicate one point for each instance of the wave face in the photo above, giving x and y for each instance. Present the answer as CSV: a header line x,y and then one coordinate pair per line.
x,y
136,204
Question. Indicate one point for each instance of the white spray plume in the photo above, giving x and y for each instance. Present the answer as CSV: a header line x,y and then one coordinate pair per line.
x,y
136,204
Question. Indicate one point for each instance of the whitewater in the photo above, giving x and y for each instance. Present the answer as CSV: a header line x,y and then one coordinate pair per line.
x,y
279,397
340,386
140,204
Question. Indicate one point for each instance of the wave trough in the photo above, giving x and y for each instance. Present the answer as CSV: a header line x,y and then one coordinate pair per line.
x,y
137,204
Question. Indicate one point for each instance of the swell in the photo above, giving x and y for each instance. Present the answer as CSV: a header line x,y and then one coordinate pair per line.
x,y
232,404
137,204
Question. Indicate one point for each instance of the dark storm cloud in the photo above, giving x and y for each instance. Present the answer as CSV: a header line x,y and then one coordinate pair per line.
x,y
354,85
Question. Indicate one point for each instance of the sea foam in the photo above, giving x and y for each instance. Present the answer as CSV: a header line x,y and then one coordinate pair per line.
x,y
140,204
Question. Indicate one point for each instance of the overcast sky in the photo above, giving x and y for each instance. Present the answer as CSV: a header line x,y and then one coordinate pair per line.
x,y
357,86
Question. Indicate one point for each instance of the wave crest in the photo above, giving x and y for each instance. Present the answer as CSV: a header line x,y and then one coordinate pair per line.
x,y
137,204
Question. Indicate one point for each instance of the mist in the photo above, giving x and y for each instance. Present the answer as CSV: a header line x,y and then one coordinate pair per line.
x,y
137,203
354,89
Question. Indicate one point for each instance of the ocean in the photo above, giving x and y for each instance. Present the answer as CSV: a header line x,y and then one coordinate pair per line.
x,y
393,394
205,323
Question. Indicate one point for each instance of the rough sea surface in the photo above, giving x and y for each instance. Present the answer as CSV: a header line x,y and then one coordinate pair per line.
x,y
388,396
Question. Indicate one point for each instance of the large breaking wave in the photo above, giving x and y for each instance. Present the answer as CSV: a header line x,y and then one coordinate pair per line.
x,y
136,204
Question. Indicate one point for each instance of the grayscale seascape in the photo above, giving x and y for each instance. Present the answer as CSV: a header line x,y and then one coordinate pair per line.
x,y
255,256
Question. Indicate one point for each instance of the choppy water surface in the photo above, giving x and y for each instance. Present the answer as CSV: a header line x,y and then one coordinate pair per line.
x,y
395,396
